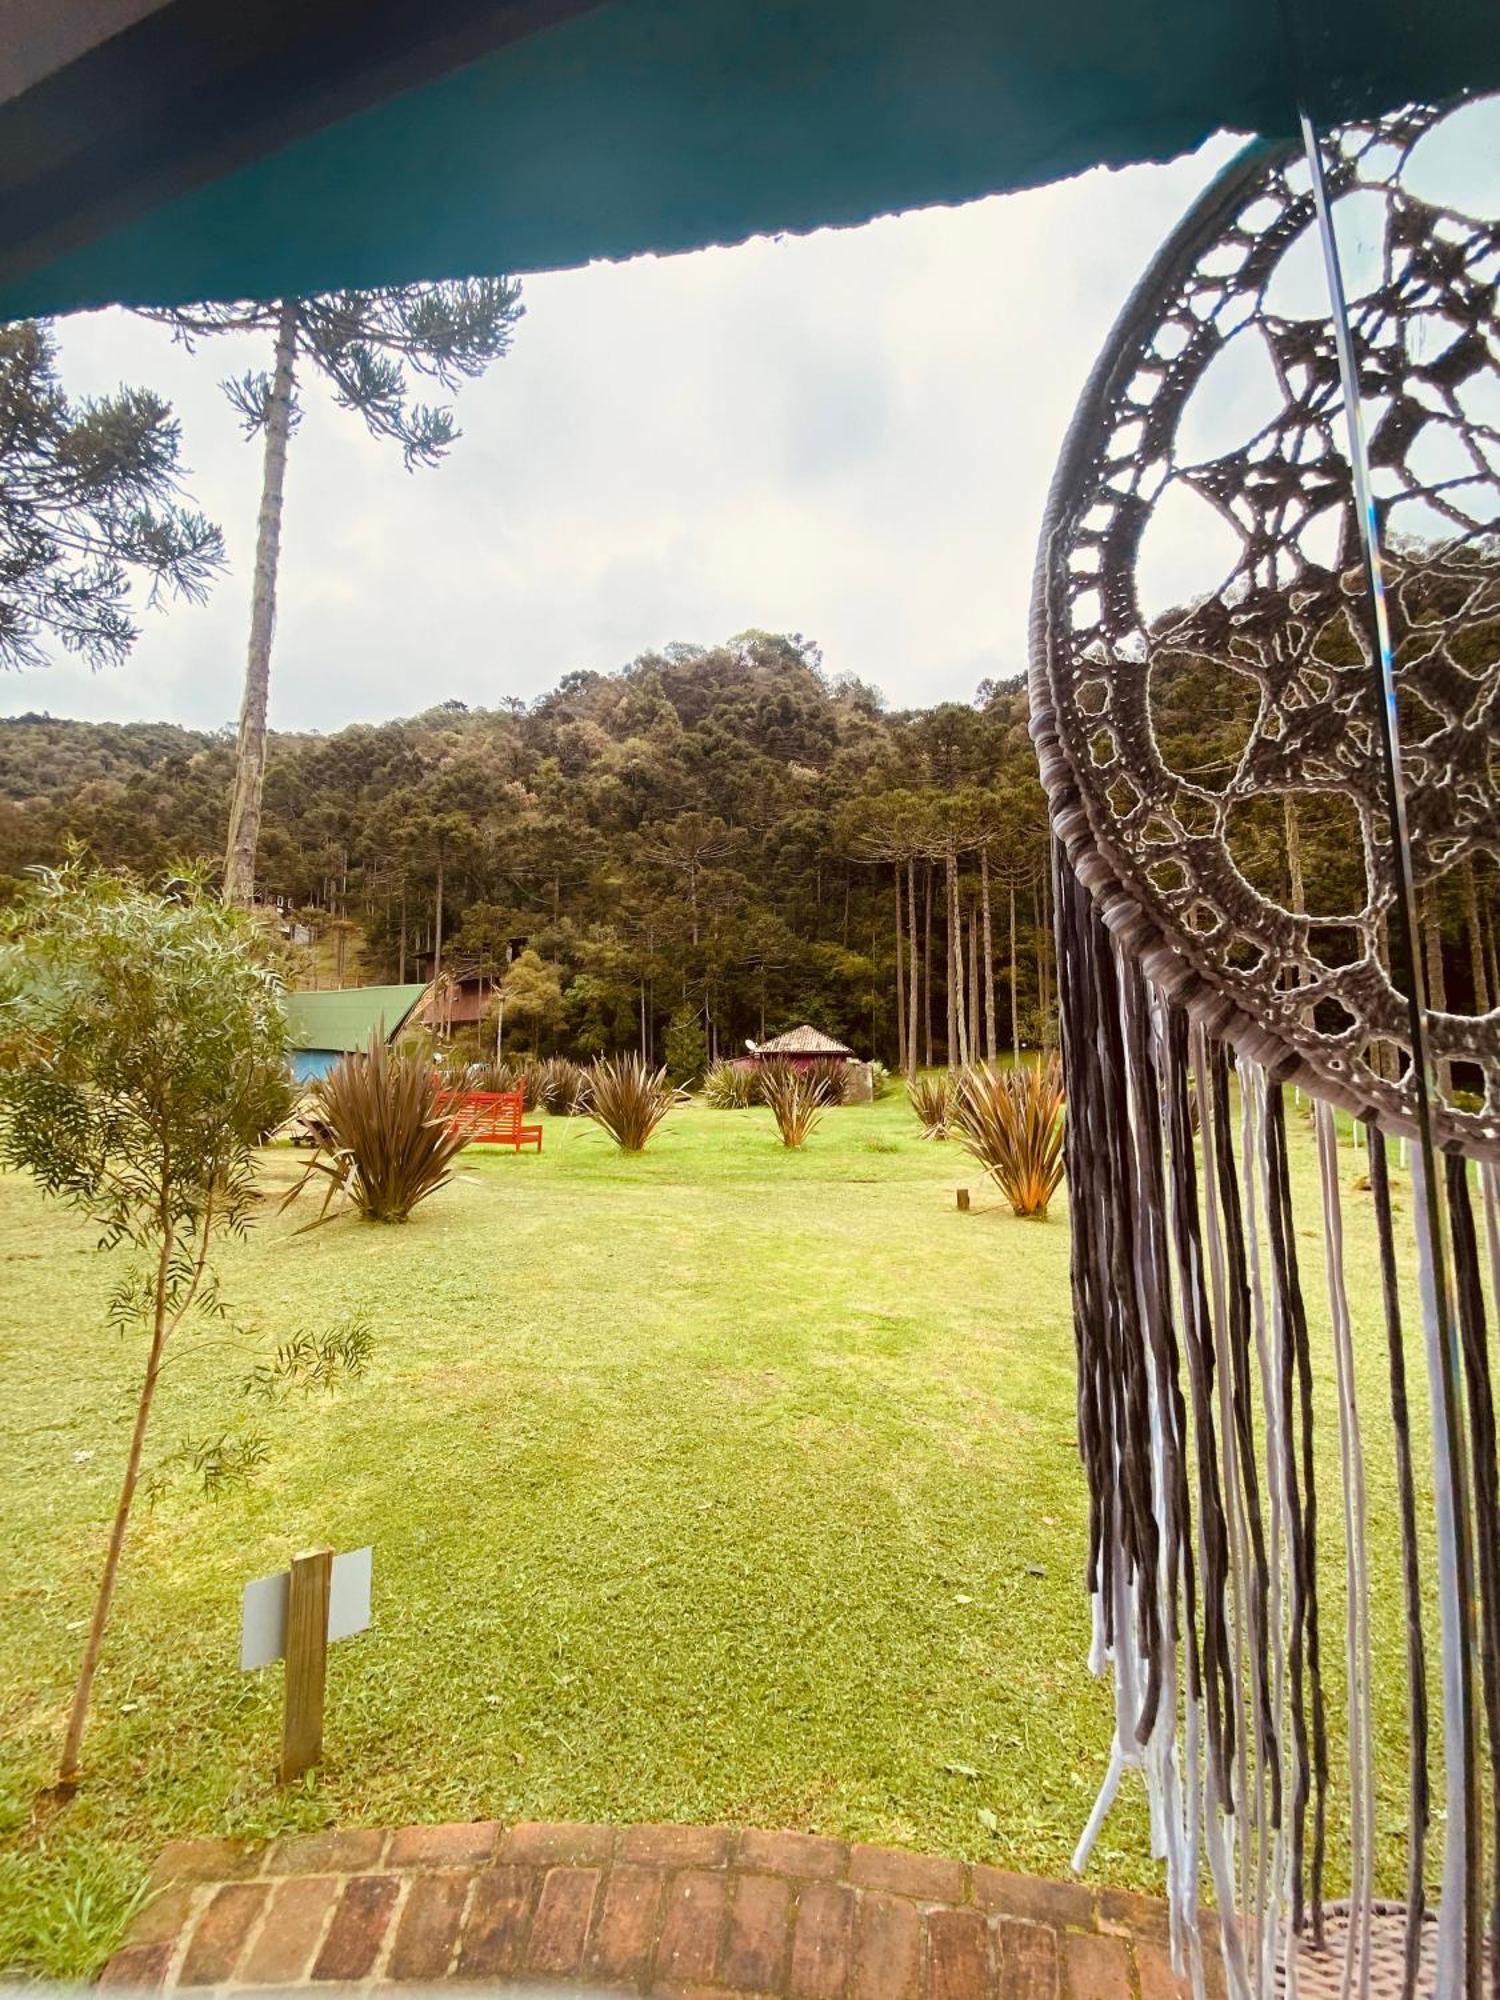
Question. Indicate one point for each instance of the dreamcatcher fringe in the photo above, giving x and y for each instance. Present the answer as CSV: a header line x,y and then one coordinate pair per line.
x,y
1196,1424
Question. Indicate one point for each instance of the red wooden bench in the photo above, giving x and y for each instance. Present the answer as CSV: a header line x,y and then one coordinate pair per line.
x,y
490,1118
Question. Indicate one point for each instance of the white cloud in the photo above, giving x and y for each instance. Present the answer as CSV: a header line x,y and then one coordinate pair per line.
x,y
848,434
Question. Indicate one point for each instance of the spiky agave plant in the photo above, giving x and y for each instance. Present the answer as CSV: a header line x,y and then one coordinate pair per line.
x,y
797,1097
729,1086
382,1141
563,1087
629,1099
931,1097
1012,1122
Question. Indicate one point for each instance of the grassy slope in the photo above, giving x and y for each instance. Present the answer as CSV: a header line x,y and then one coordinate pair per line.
x,y
718,1484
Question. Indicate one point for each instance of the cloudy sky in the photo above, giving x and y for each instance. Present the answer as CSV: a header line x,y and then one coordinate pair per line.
x,y
848,435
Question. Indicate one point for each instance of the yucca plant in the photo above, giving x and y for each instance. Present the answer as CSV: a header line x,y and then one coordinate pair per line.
x,y
629,1099
832,1073
729,1086
382,1142
931,1097
797,1097
563,1087
1012,1122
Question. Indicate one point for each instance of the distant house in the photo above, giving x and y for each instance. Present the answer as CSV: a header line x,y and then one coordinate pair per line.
x,y
321,1027
459,997
799,1046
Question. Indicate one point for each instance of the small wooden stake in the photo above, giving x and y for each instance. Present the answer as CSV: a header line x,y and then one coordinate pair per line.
x,y
963,1198
306,1662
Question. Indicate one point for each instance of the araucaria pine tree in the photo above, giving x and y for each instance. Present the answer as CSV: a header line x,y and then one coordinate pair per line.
x,y
363,344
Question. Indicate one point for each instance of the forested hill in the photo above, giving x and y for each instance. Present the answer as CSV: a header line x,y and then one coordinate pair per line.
x,y
716,834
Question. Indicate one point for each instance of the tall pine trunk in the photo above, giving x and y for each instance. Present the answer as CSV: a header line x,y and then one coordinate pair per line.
x,y
1478,970
1015,1011
991,1041
437,932
927,964
911,931
250,751
900,983
971,1051
955,949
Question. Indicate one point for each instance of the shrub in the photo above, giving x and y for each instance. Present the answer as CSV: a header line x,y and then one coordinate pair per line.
x,y
563,1087
831,1073
729,1086
686,1047
1012,1122
527,1076
382,1143
797,1096
629,1100
931,1097
880,1080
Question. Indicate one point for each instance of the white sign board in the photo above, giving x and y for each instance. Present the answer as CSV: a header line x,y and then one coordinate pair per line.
x,y
263,1608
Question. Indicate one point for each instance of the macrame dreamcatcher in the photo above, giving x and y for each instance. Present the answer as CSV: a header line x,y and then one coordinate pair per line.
x,y
1206,661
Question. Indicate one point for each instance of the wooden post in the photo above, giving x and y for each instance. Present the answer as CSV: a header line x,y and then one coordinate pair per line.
x,y
963,1198
306,1662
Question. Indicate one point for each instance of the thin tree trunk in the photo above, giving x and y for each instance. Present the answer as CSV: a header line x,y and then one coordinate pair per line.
x,y
991,1040
1015,1011
900,983
250,751
955,949
401,973
973,1051
911,931
73,1742
1041,977
1046,957
1437,983
1477,967
437,932
927,963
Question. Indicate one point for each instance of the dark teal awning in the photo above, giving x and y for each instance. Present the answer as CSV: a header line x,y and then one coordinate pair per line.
x,y
256,150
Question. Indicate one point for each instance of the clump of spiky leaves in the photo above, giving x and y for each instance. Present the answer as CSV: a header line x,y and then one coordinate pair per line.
x,y
797,1097
629,1099
563,1087
1012,1122
931,1097
832,1072
730,1086
383,1142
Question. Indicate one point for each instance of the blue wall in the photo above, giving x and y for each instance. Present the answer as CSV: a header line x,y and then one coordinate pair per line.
x,y
309,1064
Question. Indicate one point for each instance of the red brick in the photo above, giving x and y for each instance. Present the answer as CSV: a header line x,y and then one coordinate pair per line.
x,y
496,1928
809,1855
1064,1905
1094,1967
885,1962
1124,1914
823,1942
466,1844
561,1922
204,1861
220,1933
429,1926
358,1928
958,1955
1025,1959
138,1965
688,1950
289,1937
677,1846
536,1844
163,1917
923,1876
345,1850
755,1944
627,1923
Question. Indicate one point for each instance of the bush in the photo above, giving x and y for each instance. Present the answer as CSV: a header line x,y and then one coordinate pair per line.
x,y
931,1097
730,1086
563,1087
1012,1122
687,1046
797,1096
382,1141
880,1080
527,1076
629,1100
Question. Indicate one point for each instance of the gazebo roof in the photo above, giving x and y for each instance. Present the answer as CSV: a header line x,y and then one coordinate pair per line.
x,y
803,1041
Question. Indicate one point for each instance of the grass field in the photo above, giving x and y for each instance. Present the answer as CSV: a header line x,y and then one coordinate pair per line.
x,y
716,1484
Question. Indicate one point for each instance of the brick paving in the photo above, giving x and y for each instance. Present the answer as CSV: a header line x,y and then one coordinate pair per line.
x,y
681,1912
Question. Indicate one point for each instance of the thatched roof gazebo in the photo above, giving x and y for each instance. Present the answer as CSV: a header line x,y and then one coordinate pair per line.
x,y
801,1045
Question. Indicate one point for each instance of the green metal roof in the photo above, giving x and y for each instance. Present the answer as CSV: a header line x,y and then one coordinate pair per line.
x,y
259,150
345,1020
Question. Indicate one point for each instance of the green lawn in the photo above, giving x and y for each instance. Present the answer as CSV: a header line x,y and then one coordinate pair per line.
x,y
716,1484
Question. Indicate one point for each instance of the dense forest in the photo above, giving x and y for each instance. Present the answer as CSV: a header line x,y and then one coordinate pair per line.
x,y
709,845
